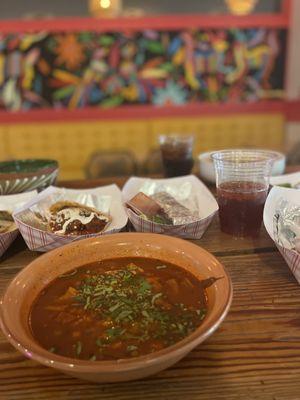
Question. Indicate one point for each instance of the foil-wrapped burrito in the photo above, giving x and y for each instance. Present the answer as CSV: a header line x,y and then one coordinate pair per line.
x,y
162,208
286,225
177,213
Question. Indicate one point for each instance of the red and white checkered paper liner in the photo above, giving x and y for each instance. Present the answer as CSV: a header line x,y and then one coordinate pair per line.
x,y
41,240
6,240
292,257
11,203
195,230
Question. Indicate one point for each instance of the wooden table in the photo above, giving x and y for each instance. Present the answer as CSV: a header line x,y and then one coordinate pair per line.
x,y
255,354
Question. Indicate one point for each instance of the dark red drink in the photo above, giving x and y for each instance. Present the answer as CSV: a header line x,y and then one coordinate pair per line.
x,y
177,167
177,154
241,207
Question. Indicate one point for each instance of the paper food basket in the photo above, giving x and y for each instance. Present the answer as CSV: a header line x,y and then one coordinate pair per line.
x,y
42,240
291,179
187,189
11,203
292,257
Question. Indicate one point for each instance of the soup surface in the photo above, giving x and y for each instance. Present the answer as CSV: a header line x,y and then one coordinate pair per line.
x,y
118,308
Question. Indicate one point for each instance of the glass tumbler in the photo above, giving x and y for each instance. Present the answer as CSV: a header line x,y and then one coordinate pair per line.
x,y
177,154
242,179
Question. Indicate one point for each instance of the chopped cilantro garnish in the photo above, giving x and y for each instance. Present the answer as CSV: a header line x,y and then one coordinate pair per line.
x,y
127,303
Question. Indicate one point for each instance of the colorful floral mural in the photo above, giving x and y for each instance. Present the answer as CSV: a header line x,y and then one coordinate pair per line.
x,y
74,70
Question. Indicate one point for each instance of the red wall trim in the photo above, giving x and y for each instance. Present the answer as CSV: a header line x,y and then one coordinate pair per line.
x,y
141,112
165,22
292,111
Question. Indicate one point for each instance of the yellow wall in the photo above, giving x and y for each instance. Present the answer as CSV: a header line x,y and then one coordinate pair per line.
x,y
71,143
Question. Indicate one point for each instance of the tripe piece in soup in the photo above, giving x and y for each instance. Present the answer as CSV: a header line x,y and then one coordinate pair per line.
x,y
118,308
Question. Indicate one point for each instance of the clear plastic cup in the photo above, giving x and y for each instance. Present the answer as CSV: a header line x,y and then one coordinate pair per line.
x,y
242,179
177,154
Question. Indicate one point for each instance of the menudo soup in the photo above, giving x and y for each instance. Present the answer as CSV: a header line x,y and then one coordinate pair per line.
x,y
118,308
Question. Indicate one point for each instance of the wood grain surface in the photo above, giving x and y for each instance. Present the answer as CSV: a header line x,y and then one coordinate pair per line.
x,y
254,355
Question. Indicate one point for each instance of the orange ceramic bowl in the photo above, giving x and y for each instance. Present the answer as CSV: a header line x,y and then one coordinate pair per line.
x,y
24,288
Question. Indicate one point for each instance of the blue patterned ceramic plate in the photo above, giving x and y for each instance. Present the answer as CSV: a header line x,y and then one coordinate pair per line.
x,y
24,175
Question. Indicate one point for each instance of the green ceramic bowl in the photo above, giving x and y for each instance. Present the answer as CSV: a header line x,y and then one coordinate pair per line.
x,y
19,176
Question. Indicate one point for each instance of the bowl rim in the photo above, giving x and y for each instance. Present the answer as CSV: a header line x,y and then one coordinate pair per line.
x,y
52,165
67,364
278,155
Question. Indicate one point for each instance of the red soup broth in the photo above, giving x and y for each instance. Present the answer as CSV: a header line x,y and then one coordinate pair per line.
x,y
118,308
241,206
